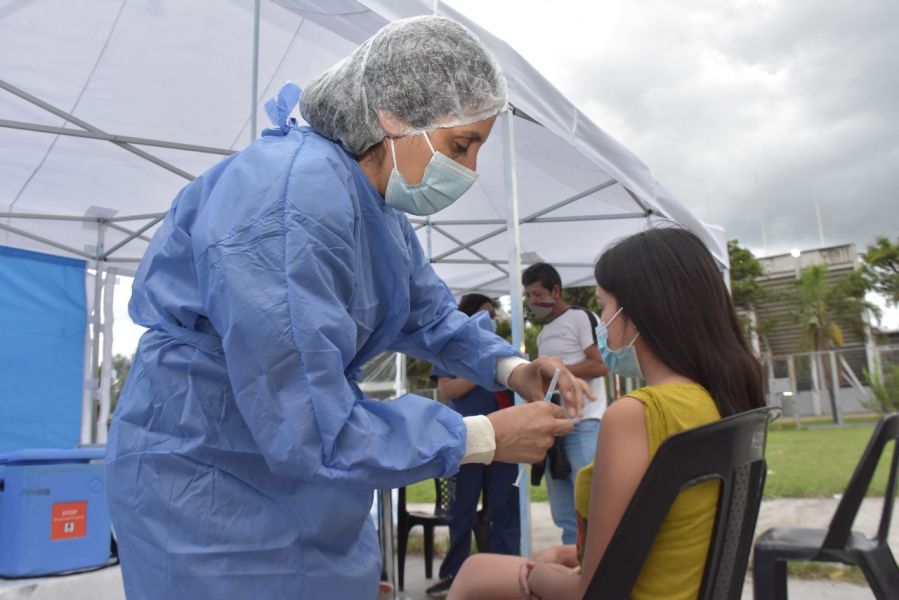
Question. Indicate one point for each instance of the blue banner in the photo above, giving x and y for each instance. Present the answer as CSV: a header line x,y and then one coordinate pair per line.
x,y
43,316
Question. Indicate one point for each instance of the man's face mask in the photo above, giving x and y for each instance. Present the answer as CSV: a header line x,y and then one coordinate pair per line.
x,y
542,308
443,182
622,361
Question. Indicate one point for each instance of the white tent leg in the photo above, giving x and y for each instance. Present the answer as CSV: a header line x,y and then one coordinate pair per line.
x,y
88,387
254,82
524,471
106,359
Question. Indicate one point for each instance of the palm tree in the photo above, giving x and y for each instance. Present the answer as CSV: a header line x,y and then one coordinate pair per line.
x,y
826,310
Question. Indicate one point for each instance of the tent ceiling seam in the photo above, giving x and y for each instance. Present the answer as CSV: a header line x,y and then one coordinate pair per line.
x,y
74,106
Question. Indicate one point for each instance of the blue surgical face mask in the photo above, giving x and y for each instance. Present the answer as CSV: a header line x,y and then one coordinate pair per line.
x,y
622,361
443,182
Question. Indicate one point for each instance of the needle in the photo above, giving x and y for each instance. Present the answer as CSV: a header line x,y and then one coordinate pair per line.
x,y
552,386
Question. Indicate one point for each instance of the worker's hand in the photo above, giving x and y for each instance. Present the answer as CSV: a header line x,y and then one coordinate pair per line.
x,y
524,433
531,381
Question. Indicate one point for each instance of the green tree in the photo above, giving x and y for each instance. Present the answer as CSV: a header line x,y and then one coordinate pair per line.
x,y
745,270
120,367
825,310
881,268
886,392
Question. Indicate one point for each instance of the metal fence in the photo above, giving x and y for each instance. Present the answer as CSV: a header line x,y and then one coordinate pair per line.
x,y
833,382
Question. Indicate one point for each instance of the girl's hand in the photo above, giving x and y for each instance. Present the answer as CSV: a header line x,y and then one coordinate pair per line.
x,y
523,586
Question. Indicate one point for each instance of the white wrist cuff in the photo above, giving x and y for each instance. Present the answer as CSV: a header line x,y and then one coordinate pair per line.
x,y
504,367
480,441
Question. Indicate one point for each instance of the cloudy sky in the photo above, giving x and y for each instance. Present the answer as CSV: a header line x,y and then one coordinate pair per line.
x,y
747,110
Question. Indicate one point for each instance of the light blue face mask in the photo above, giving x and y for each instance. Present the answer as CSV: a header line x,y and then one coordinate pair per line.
x,y
622,361
444,181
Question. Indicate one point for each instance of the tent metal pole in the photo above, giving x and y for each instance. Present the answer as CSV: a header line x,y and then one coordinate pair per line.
x,y
111,137
254,81
530,218
524,477
47,241
84,125
483,257
471,261
565,219
131,237
135,217
95,346
102,426
126,231
87,387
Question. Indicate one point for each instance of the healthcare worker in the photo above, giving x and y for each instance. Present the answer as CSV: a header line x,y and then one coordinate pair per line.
x,y
243,455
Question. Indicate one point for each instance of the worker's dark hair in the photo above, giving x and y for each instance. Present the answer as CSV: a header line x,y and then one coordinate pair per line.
x,y
544,273
668,284
470,303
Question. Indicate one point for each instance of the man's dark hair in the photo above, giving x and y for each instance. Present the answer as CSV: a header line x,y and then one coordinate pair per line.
x,y
544,273
470,303
667,283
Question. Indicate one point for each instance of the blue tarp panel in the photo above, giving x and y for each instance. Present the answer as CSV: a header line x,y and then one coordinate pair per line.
x,y
43,316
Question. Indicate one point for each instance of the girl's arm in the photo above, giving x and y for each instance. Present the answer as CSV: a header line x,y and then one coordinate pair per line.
x,y
622,457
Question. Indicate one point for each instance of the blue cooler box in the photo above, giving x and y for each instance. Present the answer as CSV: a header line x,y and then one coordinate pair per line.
x,y
53,512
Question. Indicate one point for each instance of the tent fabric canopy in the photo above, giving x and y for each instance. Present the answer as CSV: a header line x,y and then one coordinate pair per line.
x,y
93,92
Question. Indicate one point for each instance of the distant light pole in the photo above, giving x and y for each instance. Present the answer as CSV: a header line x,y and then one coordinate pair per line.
x,y
796,253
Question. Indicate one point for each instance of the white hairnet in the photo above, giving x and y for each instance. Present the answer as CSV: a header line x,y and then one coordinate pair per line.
x,y
424,72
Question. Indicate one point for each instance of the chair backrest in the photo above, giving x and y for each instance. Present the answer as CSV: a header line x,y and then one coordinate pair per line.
x,y
731,450
441,496
887,430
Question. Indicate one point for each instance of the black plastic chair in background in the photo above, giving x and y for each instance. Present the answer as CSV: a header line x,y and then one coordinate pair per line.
x,y
407,520
731,450
838,543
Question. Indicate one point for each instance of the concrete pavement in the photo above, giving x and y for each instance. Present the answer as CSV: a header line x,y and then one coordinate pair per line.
x,y
787,512
106,584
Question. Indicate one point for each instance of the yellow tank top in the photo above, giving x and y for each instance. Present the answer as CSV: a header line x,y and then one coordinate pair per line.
x,y
676,560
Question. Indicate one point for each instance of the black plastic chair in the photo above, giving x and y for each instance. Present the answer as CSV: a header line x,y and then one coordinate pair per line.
x,y
838,543
407,520
731,450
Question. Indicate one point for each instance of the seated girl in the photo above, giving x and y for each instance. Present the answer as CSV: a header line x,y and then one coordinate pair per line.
x,y
667,318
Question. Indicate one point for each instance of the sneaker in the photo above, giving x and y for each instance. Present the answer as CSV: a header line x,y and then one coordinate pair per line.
x,y
439,589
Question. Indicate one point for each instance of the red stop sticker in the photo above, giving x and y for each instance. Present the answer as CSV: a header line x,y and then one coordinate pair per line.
x,y
69,520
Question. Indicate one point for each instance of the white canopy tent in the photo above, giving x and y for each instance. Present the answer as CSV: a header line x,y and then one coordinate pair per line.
x,y
109,107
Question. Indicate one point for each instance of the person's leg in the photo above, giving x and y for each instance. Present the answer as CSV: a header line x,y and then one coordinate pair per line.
x,y
580,448
561,504
467,484
502,505
491,576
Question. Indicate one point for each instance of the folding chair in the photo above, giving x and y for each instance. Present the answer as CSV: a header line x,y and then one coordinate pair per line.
x,y
731,450
838,543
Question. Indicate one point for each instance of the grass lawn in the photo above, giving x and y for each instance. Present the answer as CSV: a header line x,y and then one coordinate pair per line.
x,y
813,461
819,458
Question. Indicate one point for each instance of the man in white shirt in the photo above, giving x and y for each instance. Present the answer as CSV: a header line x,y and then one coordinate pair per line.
x,y
568,332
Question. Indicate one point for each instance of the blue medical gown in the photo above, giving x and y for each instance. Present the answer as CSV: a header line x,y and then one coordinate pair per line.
x,y
242,454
